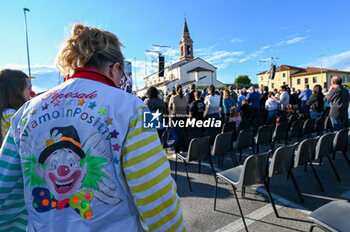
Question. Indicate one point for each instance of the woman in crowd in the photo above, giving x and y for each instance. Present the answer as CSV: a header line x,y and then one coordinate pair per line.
x,y
235,117
271,105
15,88
178,104
227,102
246,110
316,103
243,96
84,150
155,103
212,102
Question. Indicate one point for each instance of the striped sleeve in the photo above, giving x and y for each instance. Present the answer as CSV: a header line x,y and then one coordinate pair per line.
x,y
13,214
147,172
6,122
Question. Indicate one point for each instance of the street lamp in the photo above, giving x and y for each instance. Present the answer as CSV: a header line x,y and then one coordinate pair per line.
x,y
25,23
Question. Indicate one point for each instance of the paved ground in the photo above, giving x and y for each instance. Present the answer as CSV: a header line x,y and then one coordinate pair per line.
x,y
198,206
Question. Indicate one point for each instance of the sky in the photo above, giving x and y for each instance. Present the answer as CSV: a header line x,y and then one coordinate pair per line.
x,y
233,35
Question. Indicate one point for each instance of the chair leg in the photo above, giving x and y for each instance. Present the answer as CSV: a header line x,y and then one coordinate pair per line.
x,y
234,160
175,166
212,168
239,206
267,187
296,186
199,166
216,191
188,178
243,192
316,176
346,158
334,170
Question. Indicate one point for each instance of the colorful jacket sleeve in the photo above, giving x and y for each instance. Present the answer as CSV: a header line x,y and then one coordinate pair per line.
x,y
13,213
147,173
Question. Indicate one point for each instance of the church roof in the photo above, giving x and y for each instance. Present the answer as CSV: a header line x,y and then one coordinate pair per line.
x,y
200,69
185,27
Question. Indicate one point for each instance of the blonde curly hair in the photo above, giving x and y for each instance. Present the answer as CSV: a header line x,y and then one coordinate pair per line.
x,y
88,47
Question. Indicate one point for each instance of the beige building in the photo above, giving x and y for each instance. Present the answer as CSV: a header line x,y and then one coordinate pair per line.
x,y
184,72
297,77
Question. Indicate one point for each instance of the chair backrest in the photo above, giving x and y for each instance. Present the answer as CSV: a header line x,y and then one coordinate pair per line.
x,y
257,122
320,124
324,145
264,134
271,121
244,124
199,149
222,143
211,132
229,126
253,170
293,118
340,142
245,139
282,118
282,160
296,129
305,152
281,131
328,124
308,127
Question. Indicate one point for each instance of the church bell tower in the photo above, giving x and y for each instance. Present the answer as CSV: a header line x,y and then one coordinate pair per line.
x,y
186,44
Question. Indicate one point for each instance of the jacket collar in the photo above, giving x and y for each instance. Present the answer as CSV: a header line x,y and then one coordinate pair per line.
x,y
91,74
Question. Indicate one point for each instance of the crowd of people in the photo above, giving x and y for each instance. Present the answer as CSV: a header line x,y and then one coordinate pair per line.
x,y
73,147
233,105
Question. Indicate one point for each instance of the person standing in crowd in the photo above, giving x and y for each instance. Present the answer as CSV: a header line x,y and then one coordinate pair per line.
x,y
86,171
178,104
263,98
271,105
254,99
227,103
212,102
155,104
327,105
304,97
242,97
246,110
283,100
190,97
233,93
204,93
235,117
338,96
294,98
15,88
197,107
316,103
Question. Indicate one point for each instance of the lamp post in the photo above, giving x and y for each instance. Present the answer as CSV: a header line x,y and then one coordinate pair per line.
x,y
25,23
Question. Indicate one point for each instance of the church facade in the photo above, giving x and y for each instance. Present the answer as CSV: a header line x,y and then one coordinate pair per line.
x,y
188,70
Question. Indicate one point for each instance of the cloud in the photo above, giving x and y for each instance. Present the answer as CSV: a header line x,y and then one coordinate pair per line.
x,y
251,56
309,30
265,47
339,61
291,41
236,40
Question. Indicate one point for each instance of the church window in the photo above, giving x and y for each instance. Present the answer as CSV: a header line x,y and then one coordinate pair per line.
x,y
182,50
189,50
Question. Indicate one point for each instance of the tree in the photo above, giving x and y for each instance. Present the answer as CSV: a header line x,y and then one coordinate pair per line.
x,y
243,79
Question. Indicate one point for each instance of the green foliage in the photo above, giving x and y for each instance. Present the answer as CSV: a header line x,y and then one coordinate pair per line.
x,y
29,171
347,85
243,79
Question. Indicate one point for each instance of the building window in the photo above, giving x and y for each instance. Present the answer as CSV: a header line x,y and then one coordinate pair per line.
x,y
284,83
182,50
306,80
284,75
348,78
298,81
262,78
314,80
272,86
189,50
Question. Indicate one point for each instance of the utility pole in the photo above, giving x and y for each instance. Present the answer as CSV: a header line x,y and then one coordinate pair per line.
x,y
25,23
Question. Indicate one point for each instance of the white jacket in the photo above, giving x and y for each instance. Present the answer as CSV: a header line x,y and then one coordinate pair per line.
x,y
87,164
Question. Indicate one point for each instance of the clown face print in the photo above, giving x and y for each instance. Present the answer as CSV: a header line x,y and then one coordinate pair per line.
x,y
63,173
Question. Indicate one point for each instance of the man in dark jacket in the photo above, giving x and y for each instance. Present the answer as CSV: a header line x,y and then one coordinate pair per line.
x,y
339,98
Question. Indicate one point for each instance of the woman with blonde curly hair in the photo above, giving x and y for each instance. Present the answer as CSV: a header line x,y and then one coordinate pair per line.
x,y
79,157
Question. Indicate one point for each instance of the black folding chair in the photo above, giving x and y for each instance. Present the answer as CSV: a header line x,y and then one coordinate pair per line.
x,y
296,130
199,149
324,147
251,172
245,139
308,128
333,216
328,127
319,128
282,161
222,146
271,121
280,133
264,136
257,123
229,126
340,143
245,124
